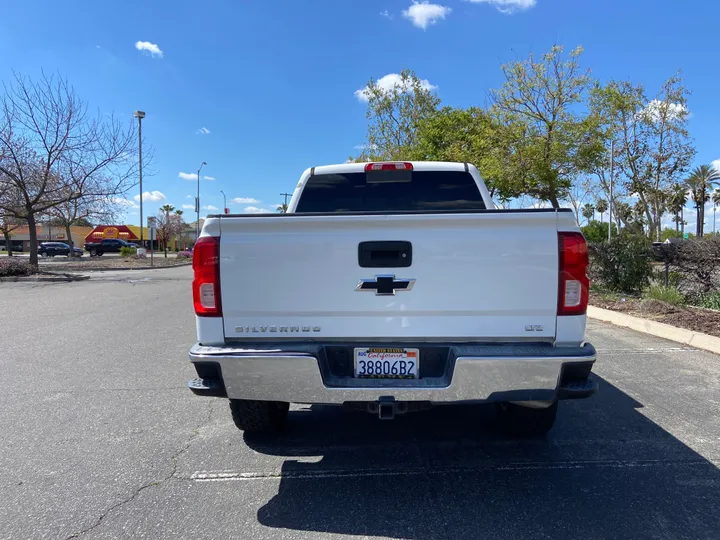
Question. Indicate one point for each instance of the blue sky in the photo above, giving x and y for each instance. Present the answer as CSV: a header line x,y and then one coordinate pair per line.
x,y
273,82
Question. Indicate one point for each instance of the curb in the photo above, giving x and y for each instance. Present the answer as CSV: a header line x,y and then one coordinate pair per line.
x,y
39,279
133,268
657,329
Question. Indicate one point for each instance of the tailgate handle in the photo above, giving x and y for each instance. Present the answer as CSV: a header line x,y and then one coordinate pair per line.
x,y
387,254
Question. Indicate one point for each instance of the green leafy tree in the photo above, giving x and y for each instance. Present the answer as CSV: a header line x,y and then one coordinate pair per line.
x,y
700,181
653,149
550,140
394,112
596,231
601,206
470,136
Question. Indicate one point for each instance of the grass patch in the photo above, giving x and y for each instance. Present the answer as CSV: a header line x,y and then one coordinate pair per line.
x,y
669,295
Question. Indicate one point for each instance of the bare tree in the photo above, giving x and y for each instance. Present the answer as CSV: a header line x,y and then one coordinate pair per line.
x,y
89,207
169,225
53,151
7,225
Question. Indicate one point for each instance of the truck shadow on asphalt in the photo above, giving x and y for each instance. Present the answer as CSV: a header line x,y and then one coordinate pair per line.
x,y
604,471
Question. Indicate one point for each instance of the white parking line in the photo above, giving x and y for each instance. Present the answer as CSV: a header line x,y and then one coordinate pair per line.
x,y
229,476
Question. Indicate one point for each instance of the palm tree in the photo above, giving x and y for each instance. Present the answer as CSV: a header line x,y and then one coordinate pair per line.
x,y
601,206
588,211
677,200
700,180
716,203
179,212
282,208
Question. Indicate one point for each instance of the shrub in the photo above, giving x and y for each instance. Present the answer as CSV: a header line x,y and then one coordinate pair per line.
x,y
128,251
698,261
674,278
669,295
595,231
11,266
709,300
185,255
622,264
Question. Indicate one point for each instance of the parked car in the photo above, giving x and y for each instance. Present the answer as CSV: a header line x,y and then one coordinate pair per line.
x,y
107,245
51,249
399,286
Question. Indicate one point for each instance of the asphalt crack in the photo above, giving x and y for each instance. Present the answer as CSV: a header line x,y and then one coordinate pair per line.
x,y
155,483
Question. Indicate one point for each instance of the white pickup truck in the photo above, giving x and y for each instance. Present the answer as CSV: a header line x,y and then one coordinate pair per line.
x,y
391,287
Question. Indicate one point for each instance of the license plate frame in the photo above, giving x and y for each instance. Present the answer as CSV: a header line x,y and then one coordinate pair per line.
x,y
392,359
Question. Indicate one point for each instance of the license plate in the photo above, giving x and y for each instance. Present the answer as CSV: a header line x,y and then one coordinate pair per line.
x,y
386,363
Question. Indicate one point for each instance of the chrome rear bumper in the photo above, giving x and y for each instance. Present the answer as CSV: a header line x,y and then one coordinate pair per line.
x,y
477,373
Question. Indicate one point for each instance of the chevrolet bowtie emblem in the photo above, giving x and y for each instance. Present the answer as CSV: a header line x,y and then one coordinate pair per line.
x,y
385,285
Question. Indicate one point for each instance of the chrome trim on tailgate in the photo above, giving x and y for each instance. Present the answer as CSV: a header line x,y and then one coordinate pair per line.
x,y
295,377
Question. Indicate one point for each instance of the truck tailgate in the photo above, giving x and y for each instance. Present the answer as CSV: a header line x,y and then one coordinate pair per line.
x,y
484,276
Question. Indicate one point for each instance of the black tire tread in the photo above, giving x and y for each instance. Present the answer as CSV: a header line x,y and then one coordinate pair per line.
x,y
259,416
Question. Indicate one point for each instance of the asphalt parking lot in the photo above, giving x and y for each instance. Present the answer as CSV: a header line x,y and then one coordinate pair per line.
x,y
101,439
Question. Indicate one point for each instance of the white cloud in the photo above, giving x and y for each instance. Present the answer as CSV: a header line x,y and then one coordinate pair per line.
x,y
390,82
211,207
508,6
203,131
716,164
256,210
244,200
365,147
120,201
188,206
386,14
193,178
424,14
151,48
189,196
656,109
151,196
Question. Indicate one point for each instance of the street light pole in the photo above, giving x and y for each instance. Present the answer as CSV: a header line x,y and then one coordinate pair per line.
x,y
224,202
197,204
140,115
612,178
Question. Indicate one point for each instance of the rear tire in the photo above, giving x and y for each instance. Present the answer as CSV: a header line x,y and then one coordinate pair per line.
x,y
93,252
259,416
522,421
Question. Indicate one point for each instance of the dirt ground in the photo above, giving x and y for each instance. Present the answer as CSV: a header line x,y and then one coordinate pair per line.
x,y
692,318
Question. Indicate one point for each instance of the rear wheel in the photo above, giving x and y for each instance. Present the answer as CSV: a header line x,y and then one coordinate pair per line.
x,y
526,421
43,254
93,252
259,416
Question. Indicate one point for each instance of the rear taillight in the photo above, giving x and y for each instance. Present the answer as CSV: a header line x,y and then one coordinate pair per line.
x,y
206,285
574,285
396,166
